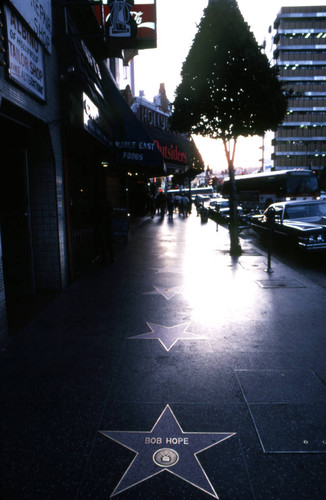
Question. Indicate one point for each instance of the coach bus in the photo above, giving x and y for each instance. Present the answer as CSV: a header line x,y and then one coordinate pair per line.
x,y
262,189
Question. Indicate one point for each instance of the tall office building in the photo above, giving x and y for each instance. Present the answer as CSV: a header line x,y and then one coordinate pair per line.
x,y
300,53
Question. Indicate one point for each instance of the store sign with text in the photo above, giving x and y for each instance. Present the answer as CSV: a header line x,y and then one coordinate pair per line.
x,y
128,24
38,16
172,152
152,118
95,123
25,55
133,151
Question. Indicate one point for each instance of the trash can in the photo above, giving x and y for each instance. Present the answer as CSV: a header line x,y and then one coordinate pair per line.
x,y
203,215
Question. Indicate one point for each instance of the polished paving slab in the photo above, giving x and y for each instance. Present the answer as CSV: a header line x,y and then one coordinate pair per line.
x,y
176,372
288,409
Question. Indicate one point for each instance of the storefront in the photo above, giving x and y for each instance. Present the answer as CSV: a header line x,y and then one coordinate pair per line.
x,y
107,151
68,140
32,215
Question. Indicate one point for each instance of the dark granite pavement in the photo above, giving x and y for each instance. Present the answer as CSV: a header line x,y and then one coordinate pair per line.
x,y
176,372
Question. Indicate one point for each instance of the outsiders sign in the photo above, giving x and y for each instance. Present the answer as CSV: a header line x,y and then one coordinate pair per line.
x,y
38,15
172,152
128,24
26,56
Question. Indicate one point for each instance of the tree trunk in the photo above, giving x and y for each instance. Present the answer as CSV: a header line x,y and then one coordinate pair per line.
x,y
235,248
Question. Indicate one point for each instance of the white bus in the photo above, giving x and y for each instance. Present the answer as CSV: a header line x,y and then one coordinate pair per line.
x,y
260,190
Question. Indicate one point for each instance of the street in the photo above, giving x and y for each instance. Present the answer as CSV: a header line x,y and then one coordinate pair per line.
x,y
311,265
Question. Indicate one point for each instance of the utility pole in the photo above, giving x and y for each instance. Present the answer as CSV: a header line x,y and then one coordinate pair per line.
x,y
262,147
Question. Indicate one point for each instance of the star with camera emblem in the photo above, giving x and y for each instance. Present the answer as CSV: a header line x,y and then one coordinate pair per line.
x,y
166,448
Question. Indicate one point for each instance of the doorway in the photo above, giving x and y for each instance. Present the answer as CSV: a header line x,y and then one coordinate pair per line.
x,y
15,216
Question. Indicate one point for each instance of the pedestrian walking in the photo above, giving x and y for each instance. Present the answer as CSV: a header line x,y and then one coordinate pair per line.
x,y
161,202
170,205
151,205
197,204
185,206
179,203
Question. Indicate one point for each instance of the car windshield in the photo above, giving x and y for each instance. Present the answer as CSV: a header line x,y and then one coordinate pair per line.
x,y
305,210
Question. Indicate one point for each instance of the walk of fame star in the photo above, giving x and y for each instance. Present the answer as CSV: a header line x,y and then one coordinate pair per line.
x,y
168,335
168,293
166,448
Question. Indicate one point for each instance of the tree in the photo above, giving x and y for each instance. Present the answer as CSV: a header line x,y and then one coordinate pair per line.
x,y
228,89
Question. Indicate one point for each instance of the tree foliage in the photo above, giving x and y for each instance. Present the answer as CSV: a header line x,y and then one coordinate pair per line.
x,y
228,88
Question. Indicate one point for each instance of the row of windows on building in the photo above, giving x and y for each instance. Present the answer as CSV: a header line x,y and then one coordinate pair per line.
x,y
303,131
302,56
291,11
307,87
306,117
307,102
313,147
303,71
302,24
298,162
299,39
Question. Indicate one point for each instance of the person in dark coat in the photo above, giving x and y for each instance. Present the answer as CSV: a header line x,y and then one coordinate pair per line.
x,y
170,205
161,202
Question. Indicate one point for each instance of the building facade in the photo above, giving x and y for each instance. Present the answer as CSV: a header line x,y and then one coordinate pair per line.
x,y
300,54
69,142
32,205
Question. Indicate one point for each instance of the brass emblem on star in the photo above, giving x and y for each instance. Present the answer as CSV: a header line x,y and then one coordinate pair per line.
x,y
165,457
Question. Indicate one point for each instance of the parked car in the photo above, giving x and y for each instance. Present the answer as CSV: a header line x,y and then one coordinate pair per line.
x,y
220,210
302,223
214,202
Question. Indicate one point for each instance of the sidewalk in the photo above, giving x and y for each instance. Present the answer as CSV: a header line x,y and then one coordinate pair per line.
x,y
177,372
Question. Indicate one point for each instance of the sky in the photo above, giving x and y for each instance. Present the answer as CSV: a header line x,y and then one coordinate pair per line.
x,y
177,24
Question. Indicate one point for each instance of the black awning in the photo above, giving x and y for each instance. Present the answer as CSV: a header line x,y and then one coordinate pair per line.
x,y
107,115
133,145
180,153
